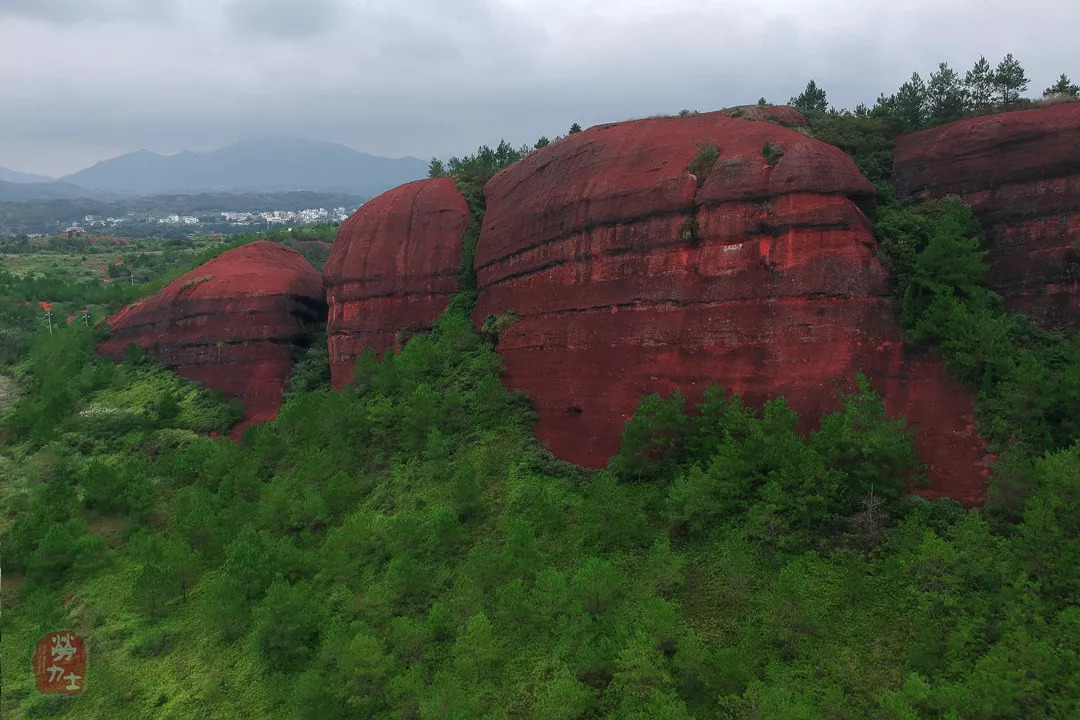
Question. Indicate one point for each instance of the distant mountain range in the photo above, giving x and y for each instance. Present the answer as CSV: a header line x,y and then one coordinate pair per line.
x,y
269,165
15,191
14,176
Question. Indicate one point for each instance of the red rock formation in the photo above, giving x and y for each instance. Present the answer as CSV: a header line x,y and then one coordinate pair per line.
x,y
232,324
630,276
781,114
1020,172
393,268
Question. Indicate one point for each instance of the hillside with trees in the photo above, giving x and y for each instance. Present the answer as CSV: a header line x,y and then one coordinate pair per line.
x,y
406,548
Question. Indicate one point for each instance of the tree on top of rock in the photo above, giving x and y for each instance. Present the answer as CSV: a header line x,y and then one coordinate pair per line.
x,y
979,85
575,128
812,99
945,94
910,103
1063,87
1010,80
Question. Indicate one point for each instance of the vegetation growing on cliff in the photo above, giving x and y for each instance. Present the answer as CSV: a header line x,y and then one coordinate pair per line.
x,y
405,548
1026,379
471,173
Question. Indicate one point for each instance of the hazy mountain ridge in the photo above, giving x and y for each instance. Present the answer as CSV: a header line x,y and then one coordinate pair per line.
x,y
17,192
263,165
14,176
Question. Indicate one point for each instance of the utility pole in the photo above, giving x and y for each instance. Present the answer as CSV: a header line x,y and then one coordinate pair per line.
x,y
48,316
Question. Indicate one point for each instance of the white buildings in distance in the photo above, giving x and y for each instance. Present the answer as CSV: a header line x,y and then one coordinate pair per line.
x,y
309,216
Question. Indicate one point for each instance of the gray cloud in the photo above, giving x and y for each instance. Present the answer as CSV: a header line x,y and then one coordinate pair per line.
x,y
77,11
284,19
438,77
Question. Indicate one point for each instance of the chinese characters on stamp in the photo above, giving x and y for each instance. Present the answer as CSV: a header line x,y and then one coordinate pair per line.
x,y
60,663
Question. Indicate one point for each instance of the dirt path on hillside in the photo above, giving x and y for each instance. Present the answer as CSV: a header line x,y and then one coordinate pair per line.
x,y
8,391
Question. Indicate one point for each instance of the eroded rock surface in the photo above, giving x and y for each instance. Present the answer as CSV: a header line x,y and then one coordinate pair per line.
x,y
234,324
393,269
629,276
1020,172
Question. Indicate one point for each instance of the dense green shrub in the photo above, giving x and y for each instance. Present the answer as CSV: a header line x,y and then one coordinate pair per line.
x,y
1027,379
771,153
702,163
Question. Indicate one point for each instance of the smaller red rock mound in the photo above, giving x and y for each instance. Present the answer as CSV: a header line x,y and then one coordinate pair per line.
x,y
1020,173
393,268
232,324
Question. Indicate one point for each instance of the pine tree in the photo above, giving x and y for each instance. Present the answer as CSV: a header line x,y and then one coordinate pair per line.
x,y
1063,87
812,99
575,128
911,103
945,94
979,85
884,106
1010,80
436,169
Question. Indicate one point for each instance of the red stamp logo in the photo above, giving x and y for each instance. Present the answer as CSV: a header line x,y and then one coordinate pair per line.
x,y
60,663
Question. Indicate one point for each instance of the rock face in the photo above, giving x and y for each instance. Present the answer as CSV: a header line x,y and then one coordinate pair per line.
x,y
231,324
780,114
630,276
393,268
1020,172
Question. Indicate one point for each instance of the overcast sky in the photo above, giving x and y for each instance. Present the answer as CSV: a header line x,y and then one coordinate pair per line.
x,y
82,80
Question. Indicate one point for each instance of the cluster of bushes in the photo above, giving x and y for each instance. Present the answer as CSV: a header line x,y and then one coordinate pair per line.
x,y
1027,379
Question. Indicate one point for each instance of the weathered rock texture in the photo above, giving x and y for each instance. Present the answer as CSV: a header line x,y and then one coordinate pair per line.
x,y
630,276
233,324
781,114
393,268
1020,172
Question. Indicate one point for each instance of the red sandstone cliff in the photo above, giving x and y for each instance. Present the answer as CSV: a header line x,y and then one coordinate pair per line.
x,y
393,268
781,114
1020,172
631,276
231,324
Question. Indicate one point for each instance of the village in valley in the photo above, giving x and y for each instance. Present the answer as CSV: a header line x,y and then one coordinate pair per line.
x,y
213,220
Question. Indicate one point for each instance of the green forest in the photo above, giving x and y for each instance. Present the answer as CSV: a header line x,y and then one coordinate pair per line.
x,y
406,548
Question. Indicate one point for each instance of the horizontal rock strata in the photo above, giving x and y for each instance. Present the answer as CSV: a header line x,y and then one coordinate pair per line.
x,y
630,275
393,269
1020,172
234,323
